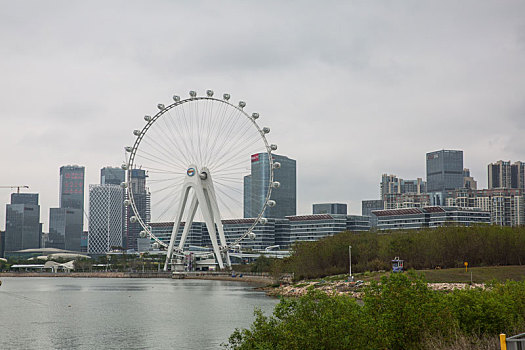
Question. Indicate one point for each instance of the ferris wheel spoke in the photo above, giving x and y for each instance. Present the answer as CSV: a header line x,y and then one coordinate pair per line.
x,y
227,207
170,194
224,132
184,132
150,156
238,134
162,171
173,130
158,162
229,180
233,188
233,142
189,128
224,119
167,153
208,128
171,206
155,181
225,158
228,136
170,140
245,139
234,165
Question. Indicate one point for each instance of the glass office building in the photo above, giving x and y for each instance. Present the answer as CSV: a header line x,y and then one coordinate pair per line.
x,y
65,229
112,176
23,229
444,173
256,187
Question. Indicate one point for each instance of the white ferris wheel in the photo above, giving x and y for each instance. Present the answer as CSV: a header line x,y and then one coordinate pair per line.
x,y
196,152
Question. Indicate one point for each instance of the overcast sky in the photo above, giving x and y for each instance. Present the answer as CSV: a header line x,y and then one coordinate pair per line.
x,y
350,89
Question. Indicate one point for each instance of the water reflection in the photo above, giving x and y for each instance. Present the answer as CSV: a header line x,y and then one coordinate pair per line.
x,y
65,313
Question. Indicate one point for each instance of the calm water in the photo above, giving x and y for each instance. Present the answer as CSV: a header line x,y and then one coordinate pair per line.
x,y
103,313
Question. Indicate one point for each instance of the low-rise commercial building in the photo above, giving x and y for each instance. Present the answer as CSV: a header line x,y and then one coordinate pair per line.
x,y
282,232
428,217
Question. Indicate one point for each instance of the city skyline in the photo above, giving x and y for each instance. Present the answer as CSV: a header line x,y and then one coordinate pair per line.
x,y
369,89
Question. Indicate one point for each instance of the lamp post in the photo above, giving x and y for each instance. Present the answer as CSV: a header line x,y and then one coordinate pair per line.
x,y
350,262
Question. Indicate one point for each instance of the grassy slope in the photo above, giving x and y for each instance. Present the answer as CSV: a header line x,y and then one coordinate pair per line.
x,y
479,274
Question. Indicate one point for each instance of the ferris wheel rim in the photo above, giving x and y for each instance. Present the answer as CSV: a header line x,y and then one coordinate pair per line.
x,y
151,121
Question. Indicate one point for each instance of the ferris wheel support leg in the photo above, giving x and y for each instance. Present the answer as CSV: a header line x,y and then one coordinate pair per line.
x,y
227,258
207,213
187,226
202,190
169,253
217,219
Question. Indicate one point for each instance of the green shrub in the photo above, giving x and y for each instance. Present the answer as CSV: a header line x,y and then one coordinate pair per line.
x,y
314,321
401,312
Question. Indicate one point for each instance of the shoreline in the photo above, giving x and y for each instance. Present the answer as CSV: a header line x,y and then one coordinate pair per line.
x,y
98,274
258,280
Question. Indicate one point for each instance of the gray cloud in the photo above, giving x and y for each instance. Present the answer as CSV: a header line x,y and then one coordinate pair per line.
x,y
354,88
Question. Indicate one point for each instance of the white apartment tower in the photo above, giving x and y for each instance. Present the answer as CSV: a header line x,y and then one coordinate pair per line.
x,y
105,218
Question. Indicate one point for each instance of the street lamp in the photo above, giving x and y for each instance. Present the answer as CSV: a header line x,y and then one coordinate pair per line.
x,y
350,263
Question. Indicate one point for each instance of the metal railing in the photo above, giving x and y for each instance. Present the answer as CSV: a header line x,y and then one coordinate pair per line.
x,y
516,342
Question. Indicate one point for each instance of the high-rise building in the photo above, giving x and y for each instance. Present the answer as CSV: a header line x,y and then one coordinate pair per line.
x,y
112,176
506,205
65,229
66,223
330,208
24,198
72,187
468,181
116,176
444,172
517,176
2,243
23,229
499,175
256,187
391,184
503,174
105,218
142,199
400,193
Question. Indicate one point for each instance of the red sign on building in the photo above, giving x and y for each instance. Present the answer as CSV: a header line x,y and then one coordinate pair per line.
x,y
255,157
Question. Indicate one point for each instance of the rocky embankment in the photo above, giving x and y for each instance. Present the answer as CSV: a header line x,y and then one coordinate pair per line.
x,y
353,289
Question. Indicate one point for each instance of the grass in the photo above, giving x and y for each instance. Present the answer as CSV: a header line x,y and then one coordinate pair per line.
x,y
479,274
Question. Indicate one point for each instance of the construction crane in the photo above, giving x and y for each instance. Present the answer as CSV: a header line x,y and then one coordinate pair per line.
x,y
17,187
